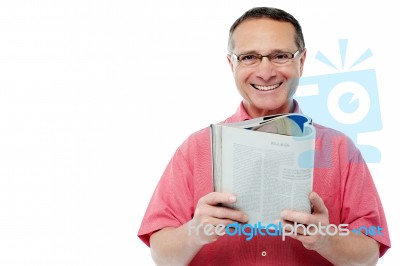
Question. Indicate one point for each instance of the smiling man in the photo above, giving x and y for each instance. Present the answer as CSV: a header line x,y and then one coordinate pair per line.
x,y
267,83
266,54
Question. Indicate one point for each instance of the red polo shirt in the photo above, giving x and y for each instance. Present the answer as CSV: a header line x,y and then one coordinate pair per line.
x,y
341,178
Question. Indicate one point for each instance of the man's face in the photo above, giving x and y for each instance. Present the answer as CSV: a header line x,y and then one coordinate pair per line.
x,y
267,88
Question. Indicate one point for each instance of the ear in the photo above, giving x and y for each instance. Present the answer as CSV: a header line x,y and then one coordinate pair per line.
x,y
302,60
229,57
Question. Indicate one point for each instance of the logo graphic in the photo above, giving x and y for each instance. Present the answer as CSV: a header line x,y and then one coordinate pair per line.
x,y
280,230
347,101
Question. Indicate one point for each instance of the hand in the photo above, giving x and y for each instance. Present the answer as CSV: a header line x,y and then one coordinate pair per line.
x,y
209,220
319,217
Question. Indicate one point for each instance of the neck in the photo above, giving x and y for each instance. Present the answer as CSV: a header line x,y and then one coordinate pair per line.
x,y
265,112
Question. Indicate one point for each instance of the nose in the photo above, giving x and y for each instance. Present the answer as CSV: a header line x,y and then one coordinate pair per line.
x,y
266,69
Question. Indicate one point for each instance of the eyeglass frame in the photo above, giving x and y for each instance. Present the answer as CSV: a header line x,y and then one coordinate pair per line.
x,y
260,57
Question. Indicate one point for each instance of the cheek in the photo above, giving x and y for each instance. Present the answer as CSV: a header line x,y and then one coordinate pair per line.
x,y
242,75
290,73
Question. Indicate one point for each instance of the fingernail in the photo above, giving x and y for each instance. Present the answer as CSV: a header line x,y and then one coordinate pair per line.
x,y
246,218
232,198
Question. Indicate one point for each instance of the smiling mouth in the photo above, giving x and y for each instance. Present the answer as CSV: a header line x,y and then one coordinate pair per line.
x,y
266,88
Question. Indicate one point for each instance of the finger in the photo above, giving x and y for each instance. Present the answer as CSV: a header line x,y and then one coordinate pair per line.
x,y
298,217
307,241
299,237
317,203
222,224
294,228
226,213
215,198
211,227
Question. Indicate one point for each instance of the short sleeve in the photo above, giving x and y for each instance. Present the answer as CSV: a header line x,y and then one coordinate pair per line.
x,y
362,207
172,202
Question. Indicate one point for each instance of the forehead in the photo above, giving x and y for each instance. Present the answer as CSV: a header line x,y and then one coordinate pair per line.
x,y
263,35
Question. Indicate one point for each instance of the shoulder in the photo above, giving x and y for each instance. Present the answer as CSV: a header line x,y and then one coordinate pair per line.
x,y
323,131
199,137
336,145
197,142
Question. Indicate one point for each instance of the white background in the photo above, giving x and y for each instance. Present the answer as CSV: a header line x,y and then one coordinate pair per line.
x,y
95,96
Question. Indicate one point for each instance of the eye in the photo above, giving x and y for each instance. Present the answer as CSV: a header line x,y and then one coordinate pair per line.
x,y
281,57
248,58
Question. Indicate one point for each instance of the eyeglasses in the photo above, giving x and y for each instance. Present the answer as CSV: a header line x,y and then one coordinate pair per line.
x,y
278,58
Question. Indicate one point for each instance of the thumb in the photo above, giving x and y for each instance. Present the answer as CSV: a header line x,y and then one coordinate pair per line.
x,y
317,203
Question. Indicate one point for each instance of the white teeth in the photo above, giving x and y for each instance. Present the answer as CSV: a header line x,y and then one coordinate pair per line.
x,y
266,88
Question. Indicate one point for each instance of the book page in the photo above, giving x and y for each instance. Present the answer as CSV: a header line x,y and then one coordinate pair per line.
x,y
268,172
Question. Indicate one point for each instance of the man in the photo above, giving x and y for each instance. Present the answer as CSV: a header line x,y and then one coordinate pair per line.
x,y
266,55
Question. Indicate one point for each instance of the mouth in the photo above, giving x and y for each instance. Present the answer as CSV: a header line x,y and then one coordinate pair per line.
x,y
266,88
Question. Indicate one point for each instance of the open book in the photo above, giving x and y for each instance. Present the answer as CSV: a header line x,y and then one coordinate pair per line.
x,y
266,162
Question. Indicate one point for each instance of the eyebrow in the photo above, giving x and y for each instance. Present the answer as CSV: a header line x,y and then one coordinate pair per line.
x,y
271,52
